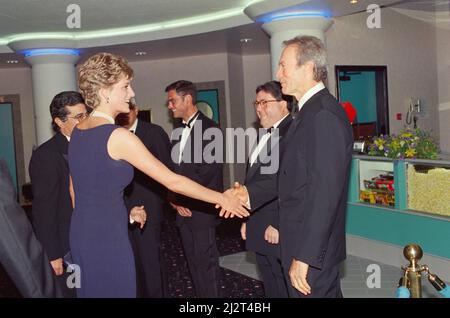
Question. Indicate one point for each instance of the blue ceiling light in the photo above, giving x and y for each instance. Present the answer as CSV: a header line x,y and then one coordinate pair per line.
x,y
35,52
266,18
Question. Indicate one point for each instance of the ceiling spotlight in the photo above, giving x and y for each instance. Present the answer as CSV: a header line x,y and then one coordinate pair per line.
x,y
246,40
353,1
12,61
140,53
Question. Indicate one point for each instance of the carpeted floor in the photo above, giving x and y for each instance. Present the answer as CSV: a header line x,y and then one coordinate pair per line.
x,y
231,284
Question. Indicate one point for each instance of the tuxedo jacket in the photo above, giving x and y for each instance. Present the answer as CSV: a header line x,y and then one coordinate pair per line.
x,y
255,179
143,190
194,166
312,184
52,206
21,254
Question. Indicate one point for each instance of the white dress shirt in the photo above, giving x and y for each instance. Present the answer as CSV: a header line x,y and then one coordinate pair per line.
x,y
310,93
134,126
262,142
186,132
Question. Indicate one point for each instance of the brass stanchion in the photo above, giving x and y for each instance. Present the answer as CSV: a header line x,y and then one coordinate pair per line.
x,y
413,253
412,277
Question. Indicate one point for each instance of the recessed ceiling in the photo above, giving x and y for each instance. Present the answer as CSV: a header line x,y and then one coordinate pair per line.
x,y
228,40
25,16
213,34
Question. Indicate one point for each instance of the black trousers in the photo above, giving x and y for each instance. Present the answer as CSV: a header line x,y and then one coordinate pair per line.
x,y
202,256
272,275
150,274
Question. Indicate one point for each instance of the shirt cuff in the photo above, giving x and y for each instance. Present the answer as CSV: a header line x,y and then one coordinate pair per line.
x,y
131,220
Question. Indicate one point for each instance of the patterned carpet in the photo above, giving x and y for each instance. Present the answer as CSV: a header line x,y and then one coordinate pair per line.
x,y
231,284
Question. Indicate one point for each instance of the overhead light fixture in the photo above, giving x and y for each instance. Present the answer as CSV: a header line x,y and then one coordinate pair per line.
x,y
266,18
353,1
12,61
53,51
140,53
246,40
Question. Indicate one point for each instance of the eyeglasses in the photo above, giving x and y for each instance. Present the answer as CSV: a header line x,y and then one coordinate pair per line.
x,y
79,116
263,102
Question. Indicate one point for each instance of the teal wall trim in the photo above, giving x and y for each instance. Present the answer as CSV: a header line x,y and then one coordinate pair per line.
x,y
353,191
400,185
399,228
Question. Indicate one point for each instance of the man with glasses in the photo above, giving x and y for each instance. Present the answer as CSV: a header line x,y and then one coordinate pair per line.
x,y
261,229
49,173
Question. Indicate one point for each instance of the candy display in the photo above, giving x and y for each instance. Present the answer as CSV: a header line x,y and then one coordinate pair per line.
x,y
379,190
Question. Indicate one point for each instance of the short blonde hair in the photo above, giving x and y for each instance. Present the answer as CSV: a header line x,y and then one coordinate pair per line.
x,y
101,70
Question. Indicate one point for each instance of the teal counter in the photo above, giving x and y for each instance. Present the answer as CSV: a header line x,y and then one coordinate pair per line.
x,y
395,225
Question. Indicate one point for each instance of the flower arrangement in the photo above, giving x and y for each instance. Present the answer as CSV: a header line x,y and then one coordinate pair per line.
x,y
410,143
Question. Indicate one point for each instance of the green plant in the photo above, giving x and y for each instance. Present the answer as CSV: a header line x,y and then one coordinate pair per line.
x,y
410,143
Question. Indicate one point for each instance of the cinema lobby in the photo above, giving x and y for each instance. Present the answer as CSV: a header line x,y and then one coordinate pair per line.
x,y
387,70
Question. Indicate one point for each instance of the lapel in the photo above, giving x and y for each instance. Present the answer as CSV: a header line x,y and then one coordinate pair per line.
x,y
62,145
139,130
307,108
282,127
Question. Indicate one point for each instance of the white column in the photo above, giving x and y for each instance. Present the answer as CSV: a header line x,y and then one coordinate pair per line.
x,y
51,74
286,29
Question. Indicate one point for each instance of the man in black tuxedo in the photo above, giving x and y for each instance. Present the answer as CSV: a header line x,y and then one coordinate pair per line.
x,y
49,173
21,254
197,220
144,191
261,230
313,176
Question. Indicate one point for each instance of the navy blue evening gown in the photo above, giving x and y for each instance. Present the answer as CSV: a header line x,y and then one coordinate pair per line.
x,y
99,239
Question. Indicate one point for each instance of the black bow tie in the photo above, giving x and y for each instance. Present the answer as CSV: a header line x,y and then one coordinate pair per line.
x,y
188,124
270,130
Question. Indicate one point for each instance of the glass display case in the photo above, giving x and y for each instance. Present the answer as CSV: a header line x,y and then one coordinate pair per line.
x,y
428,186
376,182
401,201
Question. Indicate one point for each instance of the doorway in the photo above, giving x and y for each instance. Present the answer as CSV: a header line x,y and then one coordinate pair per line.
x,y
7,149
365,87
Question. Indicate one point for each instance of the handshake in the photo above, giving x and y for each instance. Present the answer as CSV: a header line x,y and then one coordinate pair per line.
x,y
236,202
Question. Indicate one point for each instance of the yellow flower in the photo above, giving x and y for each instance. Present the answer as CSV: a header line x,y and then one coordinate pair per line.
x,y
410,153
379,142
406,135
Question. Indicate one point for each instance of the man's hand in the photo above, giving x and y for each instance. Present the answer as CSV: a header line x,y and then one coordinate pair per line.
x,y
57,265
298,273
232,205
244,231
183,211
271,235
239,191
139,215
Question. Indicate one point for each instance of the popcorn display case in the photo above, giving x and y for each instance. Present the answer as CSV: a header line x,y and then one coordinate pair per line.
x,y
397,202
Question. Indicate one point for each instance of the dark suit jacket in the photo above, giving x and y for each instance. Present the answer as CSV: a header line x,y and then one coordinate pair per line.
x,y
312,184
209,175
52,207
144,190
21,254
268,213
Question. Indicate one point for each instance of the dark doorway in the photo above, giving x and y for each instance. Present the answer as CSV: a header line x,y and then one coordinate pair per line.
x,y
365,87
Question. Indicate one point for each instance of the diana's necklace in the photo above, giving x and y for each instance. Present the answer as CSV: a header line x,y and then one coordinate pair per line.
x,y
97,113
